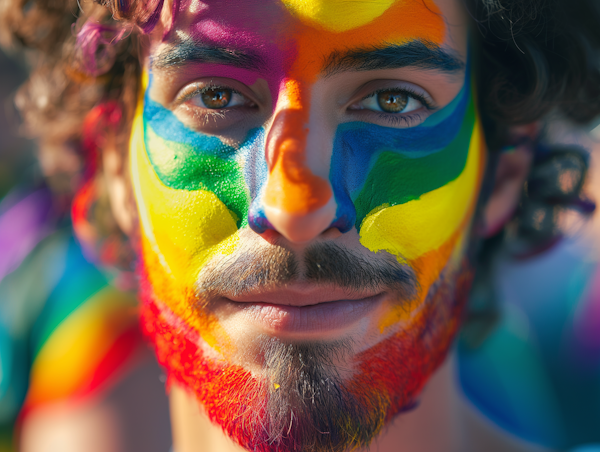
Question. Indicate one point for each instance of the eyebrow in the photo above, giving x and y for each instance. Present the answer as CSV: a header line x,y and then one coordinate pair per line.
x,y
418,53
190,51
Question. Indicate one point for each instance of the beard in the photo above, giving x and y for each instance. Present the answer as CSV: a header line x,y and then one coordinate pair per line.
x,y
302,400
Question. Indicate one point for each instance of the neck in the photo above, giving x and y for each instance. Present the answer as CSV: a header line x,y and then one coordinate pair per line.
x,y
442,422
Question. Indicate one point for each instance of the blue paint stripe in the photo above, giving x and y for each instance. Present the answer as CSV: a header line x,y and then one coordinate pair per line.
x,y
167,126
412,142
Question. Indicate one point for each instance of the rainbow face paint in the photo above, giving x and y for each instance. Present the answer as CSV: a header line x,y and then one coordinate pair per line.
x,y
211,195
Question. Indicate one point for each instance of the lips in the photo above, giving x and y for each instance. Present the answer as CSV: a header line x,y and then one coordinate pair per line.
x,y
304,310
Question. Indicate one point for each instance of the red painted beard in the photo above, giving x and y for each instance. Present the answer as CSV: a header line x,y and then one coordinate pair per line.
x,y
310,408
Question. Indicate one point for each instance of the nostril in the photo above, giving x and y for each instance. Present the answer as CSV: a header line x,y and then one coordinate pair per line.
x,y
272,237
344,223
257,219
331,233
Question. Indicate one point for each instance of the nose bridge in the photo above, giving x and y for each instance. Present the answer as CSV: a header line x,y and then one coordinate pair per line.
x,y
297,202
292,186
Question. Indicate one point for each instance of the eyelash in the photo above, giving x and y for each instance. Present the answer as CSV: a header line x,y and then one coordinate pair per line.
x,y
426,102
207,117
196,91
399,119
407,120
394,119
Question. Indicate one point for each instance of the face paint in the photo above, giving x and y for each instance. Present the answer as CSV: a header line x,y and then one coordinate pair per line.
x,y
294,194
242,404
191,200
406,192
419,188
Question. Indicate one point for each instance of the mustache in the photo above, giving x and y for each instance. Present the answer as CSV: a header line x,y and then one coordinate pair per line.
x,y
324,263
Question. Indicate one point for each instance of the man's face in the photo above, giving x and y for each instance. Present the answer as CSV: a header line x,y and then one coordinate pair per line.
x,y
306,173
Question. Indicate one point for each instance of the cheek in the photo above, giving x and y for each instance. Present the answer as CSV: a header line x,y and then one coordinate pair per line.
x,y
180,231
427,232
184,224
188,161
192,200
412,191
411,219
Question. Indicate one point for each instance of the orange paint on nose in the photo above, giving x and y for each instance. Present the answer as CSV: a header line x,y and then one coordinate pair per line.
x,y
292,187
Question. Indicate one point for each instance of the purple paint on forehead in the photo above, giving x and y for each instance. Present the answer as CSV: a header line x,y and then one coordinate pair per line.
x,y
257,25
246,76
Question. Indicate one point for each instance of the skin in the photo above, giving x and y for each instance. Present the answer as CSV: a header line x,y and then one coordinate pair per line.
x,y
442,409
214,186
306,92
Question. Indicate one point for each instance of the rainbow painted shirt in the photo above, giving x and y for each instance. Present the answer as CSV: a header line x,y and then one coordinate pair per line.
x,y
65,332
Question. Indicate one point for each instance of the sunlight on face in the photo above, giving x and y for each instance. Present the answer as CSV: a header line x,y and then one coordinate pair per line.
x,y
306,172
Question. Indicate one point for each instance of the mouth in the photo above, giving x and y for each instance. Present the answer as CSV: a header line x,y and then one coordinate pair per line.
x,y
304,310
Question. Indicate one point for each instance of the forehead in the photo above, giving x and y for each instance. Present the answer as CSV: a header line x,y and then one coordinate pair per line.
x,y
305,33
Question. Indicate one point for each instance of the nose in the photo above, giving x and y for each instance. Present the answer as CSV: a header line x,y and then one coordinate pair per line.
x,y
297,200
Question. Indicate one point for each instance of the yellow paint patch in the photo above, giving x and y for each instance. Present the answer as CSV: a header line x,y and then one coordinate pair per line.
x,y
411,241
179,297
429,267
338,15
412,229
186,227
181,231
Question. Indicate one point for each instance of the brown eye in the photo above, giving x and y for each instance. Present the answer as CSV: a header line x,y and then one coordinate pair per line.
x,y
216,98
392,101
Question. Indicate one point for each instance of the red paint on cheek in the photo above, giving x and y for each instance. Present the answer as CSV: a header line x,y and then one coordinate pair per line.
x,y
220,387
389,377
398,368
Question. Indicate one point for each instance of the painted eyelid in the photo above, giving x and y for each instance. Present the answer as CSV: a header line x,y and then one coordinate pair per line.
x,y
194,89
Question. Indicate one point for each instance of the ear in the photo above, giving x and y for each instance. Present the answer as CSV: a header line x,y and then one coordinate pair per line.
x,y
512,170
116,176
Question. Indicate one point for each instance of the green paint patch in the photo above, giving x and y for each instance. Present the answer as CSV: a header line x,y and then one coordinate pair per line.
x,y
396,179
181,167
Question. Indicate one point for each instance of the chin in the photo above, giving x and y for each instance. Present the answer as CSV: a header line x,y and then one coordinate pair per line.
x,y
299,394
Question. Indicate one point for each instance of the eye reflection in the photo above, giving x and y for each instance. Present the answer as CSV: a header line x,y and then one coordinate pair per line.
x,y
215,98
392,101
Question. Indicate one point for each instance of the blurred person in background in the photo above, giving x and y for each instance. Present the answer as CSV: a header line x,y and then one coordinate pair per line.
x,y
16,154
179,136
69,344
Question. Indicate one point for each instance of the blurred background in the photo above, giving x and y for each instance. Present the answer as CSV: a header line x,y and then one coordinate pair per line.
x,y
17,162
75,374
17,158
536,375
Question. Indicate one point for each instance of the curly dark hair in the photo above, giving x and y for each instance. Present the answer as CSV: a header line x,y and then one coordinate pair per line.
x,y
534,57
